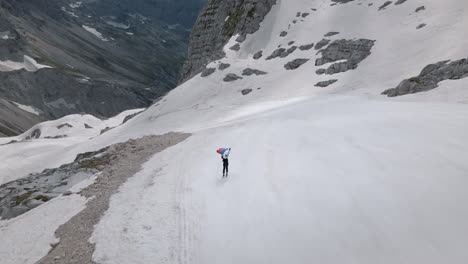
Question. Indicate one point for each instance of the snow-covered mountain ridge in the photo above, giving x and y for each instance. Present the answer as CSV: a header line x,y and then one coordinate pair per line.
x,y
324,168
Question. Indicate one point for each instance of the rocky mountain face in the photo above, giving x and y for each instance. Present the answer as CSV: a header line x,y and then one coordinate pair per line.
x,y
101,57
15,120
217,23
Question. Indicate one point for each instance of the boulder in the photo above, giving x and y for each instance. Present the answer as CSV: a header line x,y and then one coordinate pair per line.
x,y
292,65
249,72
224,66
231,77
326,83
246,91
207,72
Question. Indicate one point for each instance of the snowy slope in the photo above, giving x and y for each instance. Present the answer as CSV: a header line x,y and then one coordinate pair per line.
x,y
328,175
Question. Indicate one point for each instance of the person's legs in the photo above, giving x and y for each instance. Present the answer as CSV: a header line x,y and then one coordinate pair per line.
x,y
227,167
224,167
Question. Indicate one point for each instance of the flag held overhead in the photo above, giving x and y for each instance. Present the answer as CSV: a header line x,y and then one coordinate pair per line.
x,y
222,150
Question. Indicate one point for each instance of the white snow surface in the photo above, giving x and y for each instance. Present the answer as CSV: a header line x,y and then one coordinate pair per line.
x,y
28,237
317,175
95,32
28,108
28,64
35,155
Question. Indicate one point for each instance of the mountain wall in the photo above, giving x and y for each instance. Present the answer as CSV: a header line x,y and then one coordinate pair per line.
x,y
216,24
102,57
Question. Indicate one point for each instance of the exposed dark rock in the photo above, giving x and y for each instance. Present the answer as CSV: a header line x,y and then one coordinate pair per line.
x,y
326,83
231,77
235,47
64,125
341,1
87,126
322,44
288,51
283,34
105,130
241,38
15,121
353,51
298,14
35,134
258,55
421,8
320,71
127,118
277,53
224,66
290,43
399,2
56,137
212,30
332,33
421,26
305,14
282,53
430,77
385,5
24,194
292,65
246,91
207,72
306,47
249,71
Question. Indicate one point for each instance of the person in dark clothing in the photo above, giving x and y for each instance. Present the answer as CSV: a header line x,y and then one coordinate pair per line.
x,y
225,159
225,167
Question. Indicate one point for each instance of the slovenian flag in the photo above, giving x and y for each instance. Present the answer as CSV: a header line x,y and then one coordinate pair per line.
x,y
222,150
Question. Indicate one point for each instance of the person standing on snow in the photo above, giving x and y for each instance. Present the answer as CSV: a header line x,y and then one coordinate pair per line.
x,y
225,159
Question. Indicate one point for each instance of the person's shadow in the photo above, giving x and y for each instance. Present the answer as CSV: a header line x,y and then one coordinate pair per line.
x,y
220,181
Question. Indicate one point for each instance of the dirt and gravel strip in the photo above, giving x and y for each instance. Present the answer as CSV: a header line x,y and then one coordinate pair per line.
x,y
124,162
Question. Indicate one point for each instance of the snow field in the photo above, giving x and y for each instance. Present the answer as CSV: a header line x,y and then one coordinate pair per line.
x,y
335,175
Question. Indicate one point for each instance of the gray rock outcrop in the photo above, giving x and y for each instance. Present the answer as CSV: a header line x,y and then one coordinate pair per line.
x,y
246,91
250,71
399,2
236,47
307,46
430,77
326,83
217,23
322,44
292,65
332,33
258,55
282,53
421,8
341,1
320,71
231,77
387,3
421,26
353,51
224,66
207,72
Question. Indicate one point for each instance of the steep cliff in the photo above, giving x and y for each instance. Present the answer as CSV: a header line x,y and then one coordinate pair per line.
x,y
103,57
217,23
